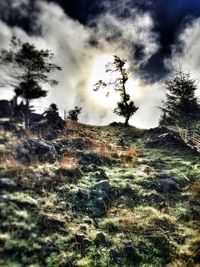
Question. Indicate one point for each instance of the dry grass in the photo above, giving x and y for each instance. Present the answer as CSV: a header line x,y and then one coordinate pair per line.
x,y
194,189
7,161
68,162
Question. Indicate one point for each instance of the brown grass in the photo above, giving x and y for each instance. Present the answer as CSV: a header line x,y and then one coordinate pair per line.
x,y
194,189
68,162
7,161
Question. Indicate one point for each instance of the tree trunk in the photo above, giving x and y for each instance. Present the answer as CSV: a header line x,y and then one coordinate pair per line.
x,y
27,115
127,120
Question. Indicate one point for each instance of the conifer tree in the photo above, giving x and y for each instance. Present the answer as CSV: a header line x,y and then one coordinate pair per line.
x,y
30,68
181,107
53,118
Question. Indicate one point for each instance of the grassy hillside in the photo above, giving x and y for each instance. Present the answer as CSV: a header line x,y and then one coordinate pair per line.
x,y
108,198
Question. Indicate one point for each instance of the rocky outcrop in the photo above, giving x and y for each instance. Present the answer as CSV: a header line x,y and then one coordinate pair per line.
x,y
37,148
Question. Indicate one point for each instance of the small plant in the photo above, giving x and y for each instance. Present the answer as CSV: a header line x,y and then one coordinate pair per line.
x,y
74,113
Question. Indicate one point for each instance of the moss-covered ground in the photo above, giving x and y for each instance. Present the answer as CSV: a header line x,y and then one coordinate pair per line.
x,y
57,214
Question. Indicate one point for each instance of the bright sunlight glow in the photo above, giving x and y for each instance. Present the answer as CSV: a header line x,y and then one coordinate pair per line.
x,y
98,72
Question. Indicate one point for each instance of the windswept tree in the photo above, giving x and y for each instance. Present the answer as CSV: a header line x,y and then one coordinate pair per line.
x,y
74,113
126,107
30,69
181,107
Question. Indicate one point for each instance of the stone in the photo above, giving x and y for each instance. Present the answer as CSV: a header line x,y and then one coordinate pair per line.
x,y
100,203
3,198
100,238
101,175
113,194
70,173
114,255
82,194
7,183
44,150
23,155
90,158
168,185
131,252
88,221
128,190
80,237
103,185
84,241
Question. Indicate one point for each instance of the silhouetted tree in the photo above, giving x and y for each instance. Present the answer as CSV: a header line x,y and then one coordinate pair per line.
x,y
74,113
53,118
30,69
126,107
181,106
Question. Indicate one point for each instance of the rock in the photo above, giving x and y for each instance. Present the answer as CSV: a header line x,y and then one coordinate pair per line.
x,y
155,198
84,241
83,228
158,199
88,221
113,194
168,138
60,149
7,183
3,198
100,238
53,134
44,150
100,203
168,185
114,255
101,175
80,237
23,155
70,173
3,141
128,190
82,194
90,158
131,252
103,185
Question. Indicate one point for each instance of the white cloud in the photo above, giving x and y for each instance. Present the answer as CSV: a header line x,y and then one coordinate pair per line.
x,y
186,52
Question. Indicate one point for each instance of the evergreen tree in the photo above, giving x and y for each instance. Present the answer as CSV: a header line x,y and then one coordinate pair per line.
x,y
126,107
53,118
30,69
74,113
181,107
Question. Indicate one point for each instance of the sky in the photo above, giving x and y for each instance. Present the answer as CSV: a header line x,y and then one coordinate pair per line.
x,y
154,36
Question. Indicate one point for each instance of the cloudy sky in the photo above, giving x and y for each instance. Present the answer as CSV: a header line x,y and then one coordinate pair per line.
x,y
155,36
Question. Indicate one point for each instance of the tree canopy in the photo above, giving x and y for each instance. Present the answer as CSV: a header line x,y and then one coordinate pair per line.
x,y
181,107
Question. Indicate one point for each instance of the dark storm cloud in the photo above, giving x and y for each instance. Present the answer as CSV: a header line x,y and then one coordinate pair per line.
x,y
170,18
